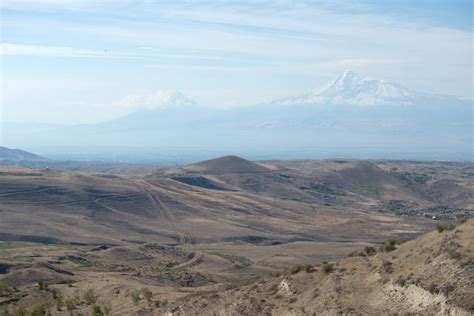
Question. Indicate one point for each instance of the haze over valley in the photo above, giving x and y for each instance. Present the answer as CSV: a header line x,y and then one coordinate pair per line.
x,y
349,117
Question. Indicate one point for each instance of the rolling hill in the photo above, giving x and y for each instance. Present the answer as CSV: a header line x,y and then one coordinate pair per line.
x,y
196,235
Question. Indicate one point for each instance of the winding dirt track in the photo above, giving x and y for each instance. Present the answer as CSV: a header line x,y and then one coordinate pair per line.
x,y
197,258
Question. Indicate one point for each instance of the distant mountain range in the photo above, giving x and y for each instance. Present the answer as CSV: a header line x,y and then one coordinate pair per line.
x,y
20,157
350,116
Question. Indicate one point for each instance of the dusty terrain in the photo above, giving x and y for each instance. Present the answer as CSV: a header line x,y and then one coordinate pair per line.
x,y
216,226
433,274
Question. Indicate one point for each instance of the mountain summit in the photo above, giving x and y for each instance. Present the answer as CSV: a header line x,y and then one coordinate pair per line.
x,y
351,89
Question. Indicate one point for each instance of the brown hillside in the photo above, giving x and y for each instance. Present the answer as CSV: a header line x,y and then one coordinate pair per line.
x,y
431,275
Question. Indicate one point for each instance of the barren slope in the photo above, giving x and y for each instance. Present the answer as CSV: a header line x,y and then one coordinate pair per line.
x,y
433,274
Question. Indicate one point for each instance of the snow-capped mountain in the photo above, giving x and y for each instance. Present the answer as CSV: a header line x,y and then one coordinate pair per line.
x,y
351,89
160,99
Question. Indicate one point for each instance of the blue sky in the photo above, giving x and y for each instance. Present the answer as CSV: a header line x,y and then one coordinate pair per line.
x,y
87,61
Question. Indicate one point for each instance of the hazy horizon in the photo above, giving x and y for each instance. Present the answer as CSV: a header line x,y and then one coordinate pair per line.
x,y
86,62
146,81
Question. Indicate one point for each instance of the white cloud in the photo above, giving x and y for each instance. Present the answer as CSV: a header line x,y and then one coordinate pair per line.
x,y
222,53
157,100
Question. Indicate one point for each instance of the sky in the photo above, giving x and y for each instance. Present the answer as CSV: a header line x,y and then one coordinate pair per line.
x,y
86,61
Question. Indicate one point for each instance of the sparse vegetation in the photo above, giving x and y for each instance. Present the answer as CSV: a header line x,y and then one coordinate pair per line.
x,y
90,297
136,297
413,177
325,188
370,251
59,303
97,311
328,268
295,269
389,245
387,266
302,267
308,268
107,309
22,311
20,174
4,290
55,293
111,271
147,294
42,286
70,304
442,227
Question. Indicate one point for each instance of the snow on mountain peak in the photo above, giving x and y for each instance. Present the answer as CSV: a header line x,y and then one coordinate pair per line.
x,y
351,89
157,100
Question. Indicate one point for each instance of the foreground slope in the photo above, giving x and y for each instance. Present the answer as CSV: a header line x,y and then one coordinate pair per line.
x,y
433,274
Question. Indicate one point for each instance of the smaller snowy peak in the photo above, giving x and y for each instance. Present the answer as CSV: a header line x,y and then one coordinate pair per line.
x,y
351,89
157,100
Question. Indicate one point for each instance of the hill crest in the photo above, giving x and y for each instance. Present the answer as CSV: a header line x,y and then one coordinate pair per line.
x,y
226,164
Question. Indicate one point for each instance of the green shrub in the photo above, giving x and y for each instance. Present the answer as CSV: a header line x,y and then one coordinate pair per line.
x,y
389,245
21,311
136,297
4,290
328,268
42,285
308,268
38,311
370,251
70,304
275,273
295,269
59,303
442,227
90,297
147,294
55,293
97,311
